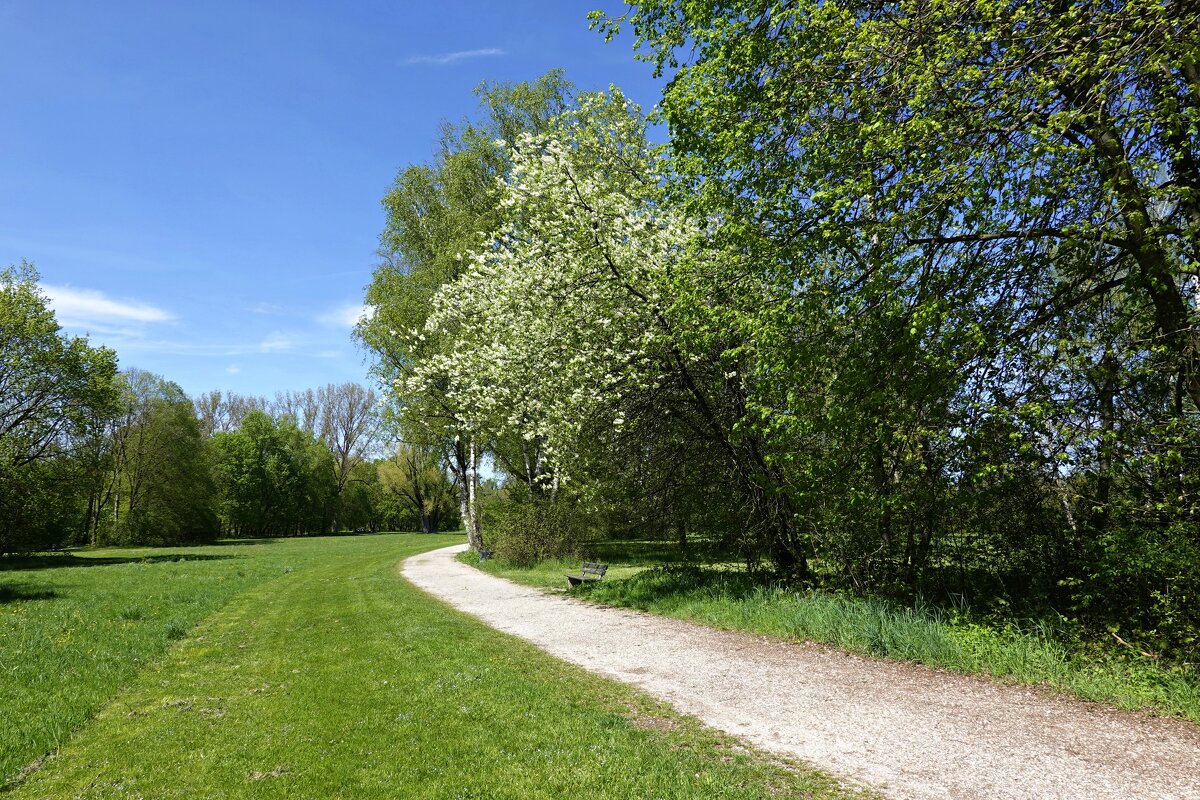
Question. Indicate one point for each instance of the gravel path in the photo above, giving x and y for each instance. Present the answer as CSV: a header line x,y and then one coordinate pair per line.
x,y
907,731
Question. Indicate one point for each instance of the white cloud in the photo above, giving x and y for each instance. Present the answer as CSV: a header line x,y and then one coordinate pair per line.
x,y
86,308
460,55
266,308
276,342
233,369
346,316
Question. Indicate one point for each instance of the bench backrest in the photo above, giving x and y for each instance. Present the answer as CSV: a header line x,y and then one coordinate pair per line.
x,y
592,568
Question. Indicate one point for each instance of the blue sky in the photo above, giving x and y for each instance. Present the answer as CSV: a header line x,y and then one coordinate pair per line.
x,y
199,183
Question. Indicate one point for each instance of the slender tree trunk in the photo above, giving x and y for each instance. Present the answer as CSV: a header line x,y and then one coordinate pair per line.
x,y
458,466
474,527
1107,392
466,468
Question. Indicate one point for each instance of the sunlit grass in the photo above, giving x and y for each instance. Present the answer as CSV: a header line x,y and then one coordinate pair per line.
x,y
333,677
76,627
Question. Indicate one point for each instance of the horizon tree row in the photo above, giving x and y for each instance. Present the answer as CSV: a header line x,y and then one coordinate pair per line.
x,y
93,455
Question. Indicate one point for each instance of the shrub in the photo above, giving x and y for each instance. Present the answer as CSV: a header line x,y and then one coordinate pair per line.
x,y
522,530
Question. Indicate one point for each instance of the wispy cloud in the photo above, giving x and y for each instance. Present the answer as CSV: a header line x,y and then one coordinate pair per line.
x,y
273,344
87,308
276,342
266,308
460,55
346,316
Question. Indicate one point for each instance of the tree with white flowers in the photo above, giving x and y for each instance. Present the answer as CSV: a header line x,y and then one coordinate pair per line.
x,y
572,329
435,212
562,315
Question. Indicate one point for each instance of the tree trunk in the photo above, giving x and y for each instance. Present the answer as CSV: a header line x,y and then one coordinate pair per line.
x,y
474,527
458,465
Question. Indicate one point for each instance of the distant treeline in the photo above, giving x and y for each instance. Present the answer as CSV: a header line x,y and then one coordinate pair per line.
x,y
93,455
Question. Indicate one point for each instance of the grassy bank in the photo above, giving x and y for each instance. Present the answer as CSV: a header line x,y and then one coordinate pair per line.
x,y
335,678
1032,654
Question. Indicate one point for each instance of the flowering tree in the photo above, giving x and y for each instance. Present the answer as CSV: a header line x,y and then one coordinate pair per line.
x,y
434,212
573,330
561,316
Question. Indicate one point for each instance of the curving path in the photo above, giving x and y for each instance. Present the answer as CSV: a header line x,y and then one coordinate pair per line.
x,y
910,732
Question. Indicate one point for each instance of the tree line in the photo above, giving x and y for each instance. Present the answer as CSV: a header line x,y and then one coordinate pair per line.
x,y
905,305
90,454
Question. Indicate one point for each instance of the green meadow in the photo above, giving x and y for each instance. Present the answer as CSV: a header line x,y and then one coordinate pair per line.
x,y
309,668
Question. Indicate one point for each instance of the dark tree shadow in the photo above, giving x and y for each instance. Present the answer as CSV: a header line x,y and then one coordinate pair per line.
x,y
18,593
66,560
654,552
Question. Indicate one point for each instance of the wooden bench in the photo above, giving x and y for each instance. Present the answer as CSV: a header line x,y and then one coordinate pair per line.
x,y
590,573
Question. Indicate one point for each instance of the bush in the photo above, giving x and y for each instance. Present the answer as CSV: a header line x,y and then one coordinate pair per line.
x,y
522,530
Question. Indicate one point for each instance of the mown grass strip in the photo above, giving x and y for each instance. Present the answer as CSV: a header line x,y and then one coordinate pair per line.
x,y
342,680
730,600
76,627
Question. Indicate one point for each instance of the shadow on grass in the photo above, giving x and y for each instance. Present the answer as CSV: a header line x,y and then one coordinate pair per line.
x,y
66,560
18,593
653,552
675,582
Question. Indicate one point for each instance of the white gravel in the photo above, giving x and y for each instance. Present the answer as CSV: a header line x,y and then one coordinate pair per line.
x,y
907,731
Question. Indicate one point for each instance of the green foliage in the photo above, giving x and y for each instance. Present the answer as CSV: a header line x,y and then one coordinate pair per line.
x,y
906,306
362,500
55,390
160,487
962,256
275,479
414,479
524,530
39,505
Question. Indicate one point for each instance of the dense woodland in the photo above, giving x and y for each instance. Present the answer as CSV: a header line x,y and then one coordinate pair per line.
x,y
905,305
93,455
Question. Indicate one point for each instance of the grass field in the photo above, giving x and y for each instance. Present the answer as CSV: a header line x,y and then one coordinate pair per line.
x,y
308,668
726,598
76,628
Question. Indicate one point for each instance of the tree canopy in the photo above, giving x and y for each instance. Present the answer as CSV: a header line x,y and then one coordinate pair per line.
x,y
909,294
54,391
